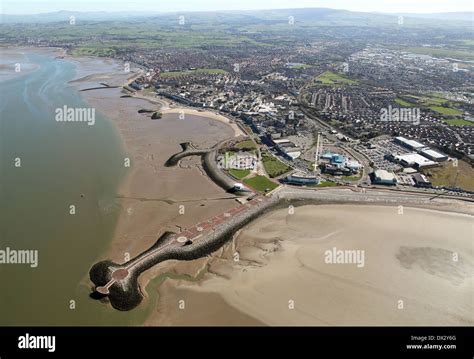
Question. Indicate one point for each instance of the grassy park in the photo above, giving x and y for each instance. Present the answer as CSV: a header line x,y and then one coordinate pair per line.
x,y
273,165
260,183
239,174
332,78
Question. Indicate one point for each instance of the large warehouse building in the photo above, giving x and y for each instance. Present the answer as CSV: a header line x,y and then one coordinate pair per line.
x,y
414,160
421,149
433,155
411,144
384,177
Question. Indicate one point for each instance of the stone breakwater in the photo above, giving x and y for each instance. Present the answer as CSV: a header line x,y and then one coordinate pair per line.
x,y
209,163
120,281
188,150
124,291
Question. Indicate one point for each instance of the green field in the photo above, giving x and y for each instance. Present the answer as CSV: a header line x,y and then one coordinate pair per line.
x,y
262,29
404,103
446,110
327,184
449,175
93,51
432,99
433,102
246,145
191,72
146,34
239,174
273,165
459,122
441,52
260,183
332,78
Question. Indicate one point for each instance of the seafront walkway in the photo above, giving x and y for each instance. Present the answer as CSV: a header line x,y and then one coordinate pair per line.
x,y
188,236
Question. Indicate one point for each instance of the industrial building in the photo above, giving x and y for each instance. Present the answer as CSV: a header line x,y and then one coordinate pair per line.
x,y
287,148
414,160
421,149
383,177
410,144
421,180
433,155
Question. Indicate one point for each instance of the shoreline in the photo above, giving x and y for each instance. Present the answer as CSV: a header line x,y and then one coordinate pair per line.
x,y
140,200
132,233
173,266
423,263
125,293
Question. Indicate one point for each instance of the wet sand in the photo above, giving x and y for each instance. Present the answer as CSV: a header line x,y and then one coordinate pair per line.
x,y
280,256
210,115
152,194
408,258
153,197
10,57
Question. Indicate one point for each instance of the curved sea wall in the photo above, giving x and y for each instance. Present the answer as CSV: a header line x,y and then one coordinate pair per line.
x,y
188,150
125,294
209,163
214,172
120,281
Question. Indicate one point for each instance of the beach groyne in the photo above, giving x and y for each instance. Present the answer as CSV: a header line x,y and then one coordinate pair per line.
x,y
125,292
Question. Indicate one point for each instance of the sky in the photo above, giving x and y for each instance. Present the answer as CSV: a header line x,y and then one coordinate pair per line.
x,y
413,6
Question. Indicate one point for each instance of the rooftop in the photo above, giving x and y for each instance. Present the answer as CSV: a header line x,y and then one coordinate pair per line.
x,y
384,175
411,143
415,159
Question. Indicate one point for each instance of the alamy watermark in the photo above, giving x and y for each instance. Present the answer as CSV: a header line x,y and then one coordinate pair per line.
x,y
401,114
19,256
346,256
75,114
28,341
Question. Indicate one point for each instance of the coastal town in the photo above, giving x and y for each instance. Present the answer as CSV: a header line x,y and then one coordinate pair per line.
x,y
287,167
327,133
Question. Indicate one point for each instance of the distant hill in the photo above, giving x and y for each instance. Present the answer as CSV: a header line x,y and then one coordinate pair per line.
x,y
314,16
65,15
451,16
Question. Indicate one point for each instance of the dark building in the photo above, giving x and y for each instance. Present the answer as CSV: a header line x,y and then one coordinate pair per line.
x,y
421,180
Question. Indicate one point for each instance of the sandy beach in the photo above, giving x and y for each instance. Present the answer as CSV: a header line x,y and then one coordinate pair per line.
x,y
280,261
208,114
408,258
153,197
